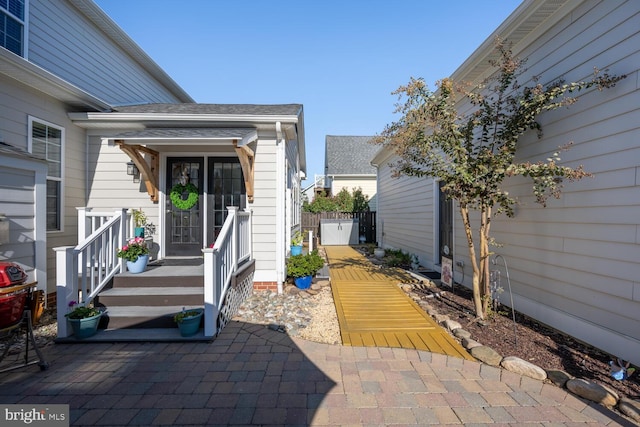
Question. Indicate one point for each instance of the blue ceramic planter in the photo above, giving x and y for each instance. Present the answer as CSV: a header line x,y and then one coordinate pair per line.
x,y
139,265
296,250
189,326
303,282
84,328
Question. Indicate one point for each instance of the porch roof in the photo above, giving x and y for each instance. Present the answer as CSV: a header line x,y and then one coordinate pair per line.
x,y
193,135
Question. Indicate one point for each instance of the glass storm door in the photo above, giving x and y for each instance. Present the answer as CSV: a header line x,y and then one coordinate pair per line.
x,y
445,226
184,216
226,188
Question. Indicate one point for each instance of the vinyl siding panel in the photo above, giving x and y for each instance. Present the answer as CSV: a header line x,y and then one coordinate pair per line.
x,y
20,102
406,215
368,186
574,264
64,42
264,207
17,203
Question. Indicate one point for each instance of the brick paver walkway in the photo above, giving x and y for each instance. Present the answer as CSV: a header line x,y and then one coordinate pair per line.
x,y
251,375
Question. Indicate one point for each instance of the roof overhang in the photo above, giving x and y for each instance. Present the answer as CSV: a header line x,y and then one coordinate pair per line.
x,y
528,22
29,74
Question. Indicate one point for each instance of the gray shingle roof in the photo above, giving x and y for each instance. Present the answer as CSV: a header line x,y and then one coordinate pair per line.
x,y
349,155
222,109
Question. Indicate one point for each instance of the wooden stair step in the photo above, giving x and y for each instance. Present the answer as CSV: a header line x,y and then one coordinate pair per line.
x,y
152,296
143,281
143,316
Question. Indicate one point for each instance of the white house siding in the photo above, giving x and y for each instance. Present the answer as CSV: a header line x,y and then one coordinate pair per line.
x,y
18,103
367,184
265,220
22,181
64,42
574,265
405,216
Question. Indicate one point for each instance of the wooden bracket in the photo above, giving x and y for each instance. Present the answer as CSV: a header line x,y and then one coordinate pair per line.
x,y
247,158
149,170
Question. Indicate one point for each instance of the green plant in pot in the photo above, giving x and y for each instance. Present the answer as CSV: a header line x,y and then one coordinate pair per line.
x,y
296,243
302,268
188,321
84,320
139,222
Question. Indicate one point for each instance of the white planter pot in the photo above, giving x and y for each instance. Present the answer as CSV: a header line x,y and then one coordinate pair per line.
x,y
378,252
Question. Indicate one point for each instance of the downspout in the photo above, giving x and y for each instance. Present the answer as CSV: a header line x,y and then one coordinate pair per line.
x,y
280,207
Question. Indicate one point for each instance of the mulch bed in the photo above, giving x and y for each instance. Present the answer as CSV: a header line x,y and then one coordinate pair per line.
x,y
531,340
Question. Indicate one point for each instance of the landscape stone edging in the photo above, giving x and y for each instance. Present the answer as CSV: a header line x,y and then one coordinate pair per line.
x,y
580,387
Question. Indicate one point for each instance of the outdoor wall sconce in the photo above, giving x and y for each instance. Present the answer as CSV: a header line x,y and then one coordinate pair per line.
x,y
132,170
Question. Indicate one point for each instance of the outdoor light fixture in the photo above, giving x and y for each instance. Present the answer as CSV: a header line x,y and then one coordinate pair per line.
x,y
132,170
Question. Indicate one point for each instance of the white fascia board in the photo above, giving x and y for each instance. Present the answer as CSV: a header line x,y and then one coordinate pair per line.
x,y
383,155
125,117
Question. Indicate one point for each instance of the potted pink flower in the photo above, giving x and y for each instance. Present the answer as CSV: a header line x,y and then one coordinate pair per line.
x,y
136,253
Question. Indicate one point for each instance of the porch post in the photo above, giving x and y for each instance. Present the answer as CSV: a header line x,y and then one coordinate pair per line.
x,y
82,223
66,285
122,238
233,210
210,297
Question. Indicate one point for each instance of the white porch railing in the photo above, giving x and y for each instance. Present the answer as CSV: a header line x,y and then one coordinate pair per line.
x,y
231,249
84,270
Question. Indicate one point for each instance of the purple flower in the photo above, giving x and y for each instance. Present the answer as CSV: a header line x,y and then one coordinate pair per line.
x,y
72,303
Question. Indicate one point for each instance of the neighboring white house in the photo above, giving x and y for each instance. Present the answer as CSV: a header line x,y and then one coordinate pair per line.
x,y
80,100
574,265
347,164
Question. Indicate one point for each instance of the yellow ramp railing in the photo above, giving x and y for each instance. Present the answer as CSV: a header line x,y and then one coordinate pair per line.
x,y
374,312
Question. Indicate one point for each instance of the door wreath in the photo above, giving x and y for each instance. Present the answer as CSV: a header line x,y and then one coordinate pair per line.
x,y
178,201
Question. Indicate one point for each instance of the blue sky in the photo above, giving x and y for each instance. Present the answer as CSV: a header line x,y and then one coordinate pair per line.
x,y
340,59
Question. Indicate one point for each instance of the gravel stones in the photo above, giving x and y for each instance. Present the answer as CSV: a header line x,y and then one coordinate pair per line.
x,y
308,314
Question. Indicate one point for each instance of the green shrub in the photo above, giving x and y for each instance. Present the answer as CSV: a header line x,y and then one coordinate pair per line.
x,y
397,258
304,265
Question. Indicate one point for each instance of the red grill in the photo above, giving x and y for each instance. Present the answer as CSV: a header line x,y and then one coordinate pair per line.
x,y
13,293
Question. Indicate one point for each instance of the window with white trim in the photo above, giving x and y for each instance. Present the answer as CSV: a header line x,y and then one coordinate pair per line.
x,y
12,25
46,142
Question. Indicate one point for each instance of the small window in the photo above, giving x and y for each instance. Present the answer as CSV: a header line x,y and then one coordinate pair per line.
x,y
47,143
12,25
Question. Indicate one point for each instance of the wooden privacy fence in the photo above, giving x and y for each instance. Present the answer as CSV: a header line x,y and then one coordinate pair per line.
x,y
366,220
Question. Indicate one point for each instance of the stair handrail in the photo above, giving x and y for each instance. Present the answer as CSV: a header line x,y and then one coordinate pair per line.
x,y
82,271
231,249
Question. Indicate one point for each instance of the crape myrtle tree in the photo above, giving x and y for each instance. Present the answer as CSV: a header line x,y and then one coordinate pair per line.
x,y
473,153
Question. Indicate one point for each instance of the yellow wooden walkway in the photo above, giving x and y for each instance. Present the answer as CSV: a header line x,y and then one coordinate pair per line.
x,y
374,312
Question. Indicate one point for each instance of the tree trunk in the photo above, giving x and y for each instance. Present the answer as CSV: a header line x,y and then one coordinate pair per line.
x,y
477,295
485,290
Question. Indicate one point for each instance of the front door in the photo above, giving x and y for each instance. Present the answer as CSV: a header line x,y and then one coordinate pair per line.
x,y
226,188
184,206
